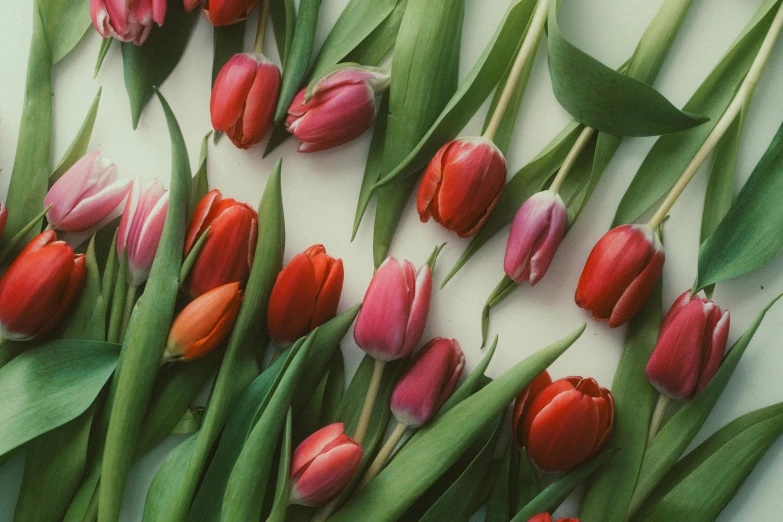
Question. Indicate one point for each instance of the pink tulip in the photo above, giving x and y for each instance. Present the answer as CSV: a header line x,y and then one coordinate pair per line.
x,y
3,217
127,20
536,232
395,309
341,109
322,465
428,382
690,347
86,194
141,227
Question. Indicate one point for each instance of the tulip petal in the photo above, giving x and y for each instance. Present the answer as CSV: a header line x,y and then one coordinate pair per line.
x,y
313,445
292,301
326,475
337,116
717,334
260,104
638,291
419,308
92,211
197,226
230,91
329,295
430,183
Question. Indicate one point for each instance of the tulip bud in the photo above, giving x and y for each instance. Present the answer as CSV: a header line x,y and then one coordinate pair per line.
x,y
690,347
127,20
620,273
341,108
428,382
38,287
86,194
562,423
305,295
204,323
224,12
462,185
3,217
141,227
394,311
322,465
536,232
228,251
546,517
244,97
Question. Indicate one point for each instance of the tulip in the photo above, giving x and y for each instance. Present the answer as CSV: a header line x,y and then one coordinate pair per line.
x,y
322,465
227,253
38,288
244,97
86,194
690,347
462,185
204,323
562,423
620,273
341,108
305,295
428,382
127,20
546,517
3,217
223,12
141,227
536,232
394,311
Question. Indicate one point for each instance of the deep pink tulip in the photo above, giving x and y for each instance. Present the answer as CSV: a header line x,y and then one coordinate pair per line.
x,y
127,20
224,12
3,217
690,347
620,273
244,97
394,311
341,109
322,465
536,232
141,227
86,194
428,382
462,184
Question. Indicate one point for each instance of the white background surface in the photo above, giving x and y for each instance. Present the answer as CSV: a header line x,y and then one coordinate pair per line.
x,y
320,191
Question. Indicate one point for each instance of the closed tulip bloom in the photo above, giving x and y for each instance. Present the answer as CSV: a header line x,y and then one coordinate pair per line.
x,y
690,347
86,194
536,232
394,311
244,97
38,287
127,20
341,108
562,423
322,465
3,217
224,12
141,227
620,273
462,185
228,251
305,295
546,517
428,382
204,323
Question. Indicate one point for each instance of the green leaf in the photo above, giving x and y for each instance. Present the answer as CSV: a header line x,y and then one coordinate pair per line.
x,y
554,494
395,488
704,482
499,500
282,488
297,61
334,390
611,488
374,166
425,72
227,41
749,236
200,179
379,43
65,25
283,22
88,318
68,376
147,332
675,436
78,147
147,66
102,52
493,64
528,483
671,154
189,423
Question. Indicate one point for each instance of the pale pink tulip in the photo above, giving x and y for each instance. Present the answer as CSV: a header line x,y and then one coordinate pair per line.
x,y
127,20
86,194
141,227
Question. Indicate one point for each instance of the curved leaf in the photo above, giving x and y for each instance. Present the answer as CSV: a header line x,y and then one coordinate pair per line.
x,y
283,22
282,487
78,147
66,25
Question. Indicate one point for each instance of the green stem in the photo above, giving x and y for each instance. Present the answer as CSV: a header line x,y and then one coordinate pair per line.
x,y
383,455
263,16
369,401
130,300
501,291
573,155
657,418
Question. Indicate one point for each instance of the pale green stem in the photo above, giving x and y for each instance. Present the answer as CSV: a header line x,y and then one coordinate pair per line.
x,y
130,300
657,418
573,155
369,401
383,455
263,16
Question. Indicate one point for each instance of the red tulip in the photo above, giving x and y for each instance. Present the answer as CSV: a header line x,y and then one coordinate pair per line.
x,y
3,217
127,20
621,273
690,347
244,97
428,382
322,465
462,185
341,108
562,423
204,323
305,295
546,517
224,12
229,248
38,287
